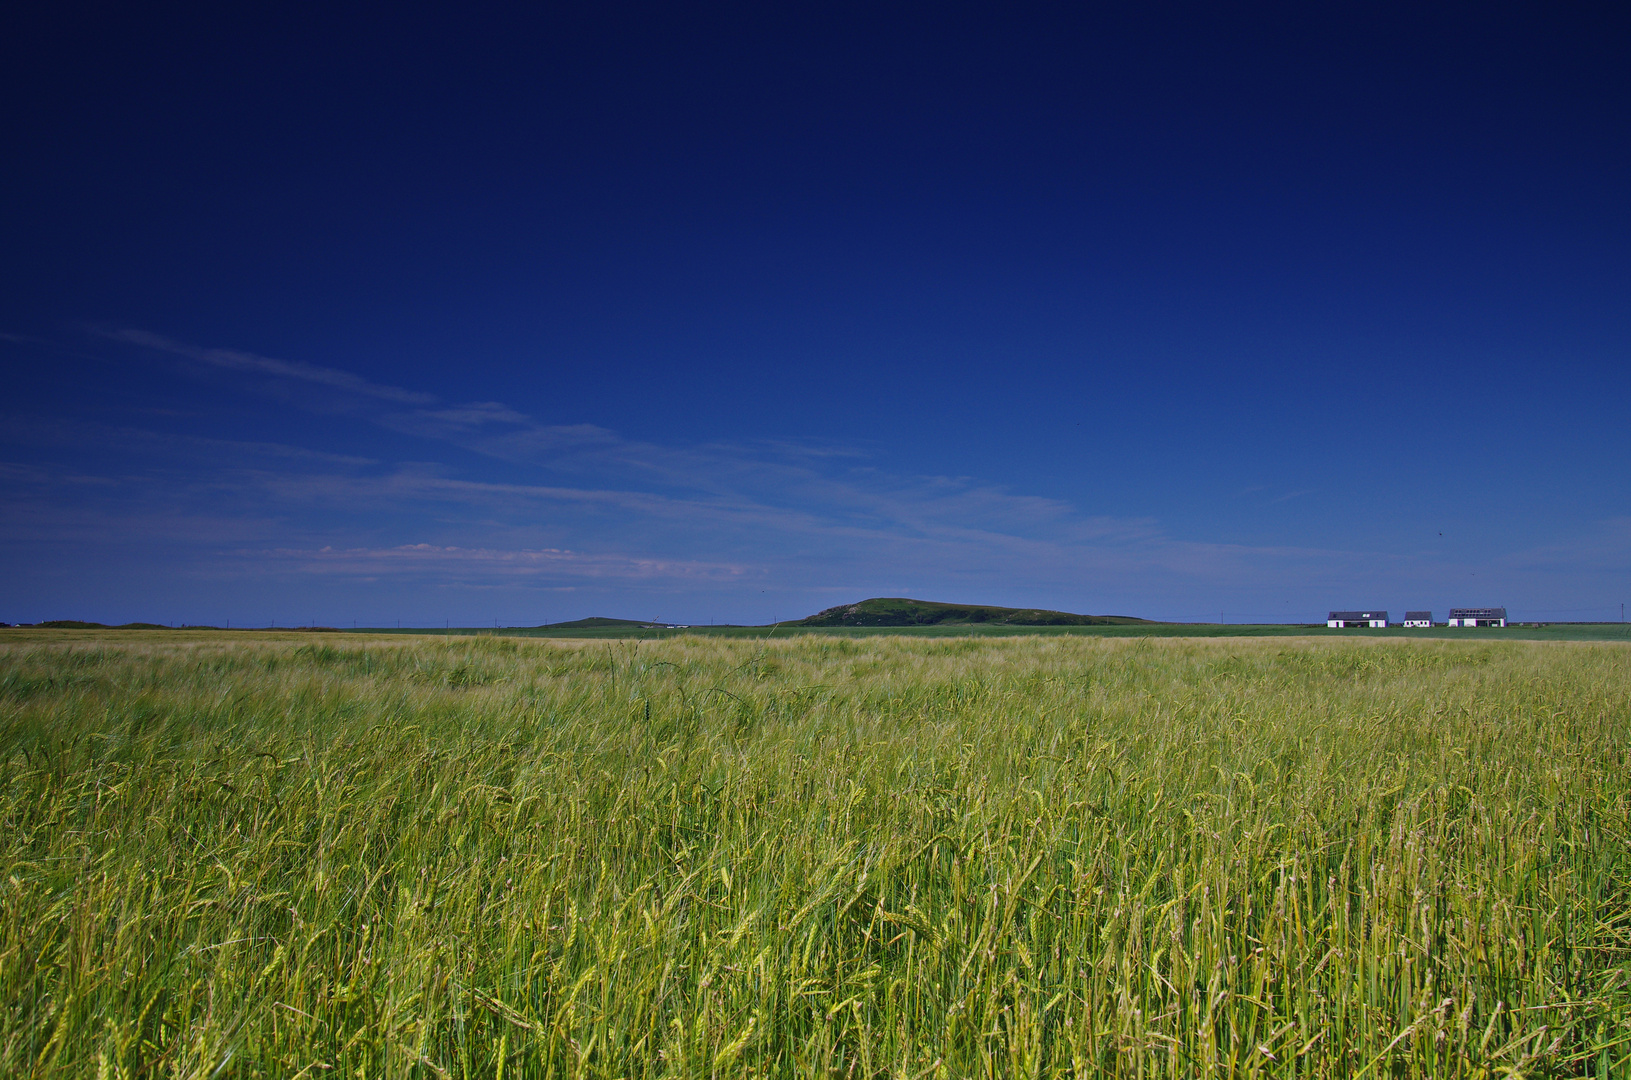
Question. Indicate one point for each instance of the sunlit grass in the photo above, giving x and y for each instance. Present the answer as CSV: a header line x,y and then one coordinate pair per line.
x,y
878,857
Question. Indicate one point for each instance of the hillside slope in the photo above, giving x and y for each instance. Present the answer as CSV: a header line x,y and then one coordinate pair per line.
x,y
900,611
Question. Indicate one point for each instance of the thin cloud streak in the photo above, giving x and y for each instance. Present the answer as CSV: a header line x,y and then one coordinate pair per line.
x,y
522,566
234,360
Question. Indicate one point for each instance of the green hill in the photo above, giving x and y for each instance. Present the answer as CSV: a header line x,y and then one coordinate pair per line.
x,y
596,622
899,611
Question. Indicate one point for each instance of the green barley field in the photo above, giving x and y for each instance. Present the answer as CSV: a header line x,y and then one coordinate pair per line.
x,y
257,855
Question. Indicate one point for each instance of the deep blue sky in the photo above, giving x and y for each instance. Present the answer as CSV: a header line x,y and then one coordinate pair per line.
x,y
737,313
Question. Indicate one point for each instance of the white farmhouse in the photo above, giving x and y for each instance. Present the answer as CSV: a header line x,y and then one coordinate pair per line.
x,y
1418,619
1340,619
1478,616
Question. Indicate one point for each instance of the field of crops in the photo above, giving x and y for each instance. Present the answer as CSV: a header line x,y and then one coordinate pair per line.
x,y
234,855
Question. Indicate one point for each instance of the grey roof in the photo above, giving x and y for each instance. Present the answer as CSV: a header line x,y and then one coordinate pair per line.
x,y
1478,613
1357,616
1418,615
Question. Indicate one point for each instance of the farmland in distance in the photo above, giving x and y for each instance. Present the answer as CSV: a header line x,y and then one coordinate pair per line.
x,y
234,855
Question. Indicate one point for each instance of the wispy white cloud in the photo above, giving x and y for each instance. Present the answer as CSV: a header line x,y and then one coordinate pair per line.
x,y
1288,496
795,486
525,566
235,360
806,511
457,420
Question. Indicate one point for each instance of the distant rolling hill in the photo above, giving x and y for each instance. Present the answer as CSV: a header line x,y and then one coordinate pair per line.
x,y
899,611
596,622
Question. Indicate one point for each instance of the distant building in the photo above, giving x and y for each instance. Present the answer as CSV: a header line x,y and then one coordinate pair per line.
x,y
1478,616
1340,619
1418,618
